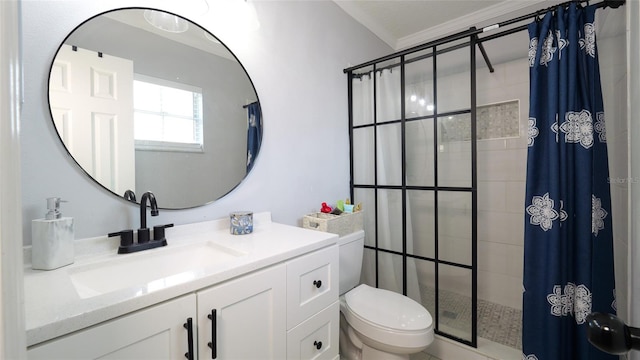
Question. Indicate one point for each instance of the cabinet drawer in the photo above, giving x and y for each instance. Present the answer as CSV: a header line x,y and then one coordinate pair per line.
x,y
312,284
317,338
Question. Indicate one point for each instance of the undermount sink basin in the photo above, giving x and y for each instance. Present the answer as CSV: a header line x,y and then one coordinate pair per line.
x,y
150,271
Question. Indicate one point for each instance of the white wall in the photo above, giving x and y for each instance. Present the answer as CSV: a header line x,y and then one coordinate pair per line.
x,y
295,59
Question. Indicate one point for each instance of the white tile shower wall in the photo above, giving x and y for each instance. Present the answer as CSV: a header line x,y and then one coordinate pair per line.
x,y
501,176
501,190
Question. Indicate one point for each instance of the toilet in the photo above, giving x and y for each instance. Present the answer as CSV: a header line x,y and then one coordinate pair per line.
x,y
376,324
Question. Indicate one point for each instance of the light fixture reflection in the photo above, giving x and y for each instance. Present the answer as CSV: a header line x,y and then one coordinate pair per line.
x,y
165,21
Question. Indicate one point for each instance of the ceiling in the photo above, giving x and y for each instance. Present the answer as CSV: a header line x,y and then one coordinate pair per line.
x,y
406,23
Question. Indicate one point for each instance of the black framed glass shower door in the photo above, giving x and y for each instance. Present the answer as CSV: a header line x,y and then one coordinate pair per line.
x,y
413,167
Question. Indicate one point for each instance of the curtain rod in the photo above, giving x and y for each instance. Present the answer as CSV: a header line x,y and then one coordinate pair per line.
x,y
418,58
614,4
473,31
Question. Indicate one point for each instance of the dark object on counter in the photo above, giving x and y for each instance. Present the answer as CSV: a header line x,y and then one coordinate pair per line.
x,y
611,335
127,245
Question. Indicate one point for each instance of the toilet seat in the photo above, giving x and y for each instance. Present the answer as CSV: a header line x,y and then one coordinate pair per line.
x,y
367,302
387,317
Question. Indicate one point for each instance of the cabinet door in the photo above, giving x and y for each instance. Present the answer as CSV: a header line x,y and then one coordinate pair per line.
x,y
157,332
247,318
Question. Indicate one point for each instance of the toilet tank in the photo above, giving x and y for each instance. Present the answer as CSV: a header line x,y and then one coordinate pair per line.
x,y
351,248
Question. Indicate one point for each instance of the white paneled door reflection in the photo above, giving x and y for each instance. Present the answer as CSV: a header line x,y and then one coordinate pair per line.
x,y
91,98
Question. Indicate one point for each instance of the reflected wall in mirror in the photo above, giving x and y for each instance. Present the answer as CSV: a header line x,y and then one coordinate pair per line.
x,y
145,109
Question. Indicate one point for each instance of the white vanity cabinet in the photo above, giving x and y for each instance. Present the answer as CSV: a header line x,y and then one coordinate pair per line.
x,y
244,318
156,332
286,310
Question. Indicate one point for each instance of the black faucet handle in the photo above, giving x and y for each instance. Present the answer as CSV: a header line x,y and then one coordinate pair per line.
x,y
143,235
158,231
126,237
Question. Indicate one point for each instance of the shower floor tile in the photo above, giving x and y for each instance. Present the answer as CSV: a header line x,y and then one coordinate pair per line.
x,y
500,324
497,323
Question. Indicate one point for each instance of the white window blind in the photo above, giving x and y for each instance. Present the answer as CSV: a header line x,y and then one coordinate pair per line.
x,y
167,115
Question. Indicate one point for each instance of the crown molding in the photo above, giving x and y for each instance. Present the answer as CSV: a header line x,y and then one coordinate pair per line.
x,y
464,22
367,21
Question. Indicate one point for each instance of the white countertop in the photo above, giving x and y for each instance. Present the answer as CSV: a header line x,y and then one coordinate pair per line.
x,y
55,305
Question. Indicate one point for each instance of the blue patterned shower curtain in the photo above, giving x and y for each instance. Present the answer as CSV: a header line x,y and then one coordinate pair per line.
x,y
254,132
568,255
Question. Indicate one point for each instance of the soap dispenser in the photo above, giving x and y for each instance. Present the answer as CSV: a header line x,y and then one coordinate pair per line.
x,y
52,238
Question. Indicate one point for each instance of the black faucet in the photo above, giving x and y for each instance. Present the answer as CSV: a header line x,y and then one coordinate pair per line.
x,y
143,208
126,236
129,195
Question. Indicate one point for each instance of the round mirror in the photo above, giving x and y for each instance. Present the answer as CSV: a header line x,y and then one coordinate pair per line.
x,y
144,100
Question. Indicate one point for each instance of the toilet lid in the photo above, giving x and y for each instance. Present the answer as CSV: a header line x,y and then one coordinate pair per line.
x,y
387,308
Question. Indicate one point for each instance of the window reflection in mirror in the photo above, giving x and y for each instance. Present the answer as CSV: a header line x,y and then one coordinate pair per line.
x,y
166,115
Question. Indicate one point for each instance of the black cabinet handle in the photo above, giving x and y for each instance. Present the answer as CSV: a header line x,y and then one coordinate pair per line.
x,y
189,326
317,344
317,283
213,343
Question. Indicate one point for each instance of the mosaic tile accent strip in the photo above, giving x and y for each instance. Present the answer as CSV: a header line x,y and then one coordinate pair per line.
x,y
494,121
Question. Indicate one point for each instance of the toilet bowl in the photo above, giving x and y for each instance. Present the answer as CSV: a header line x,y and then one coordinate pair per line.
x,y
376,324
382,324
